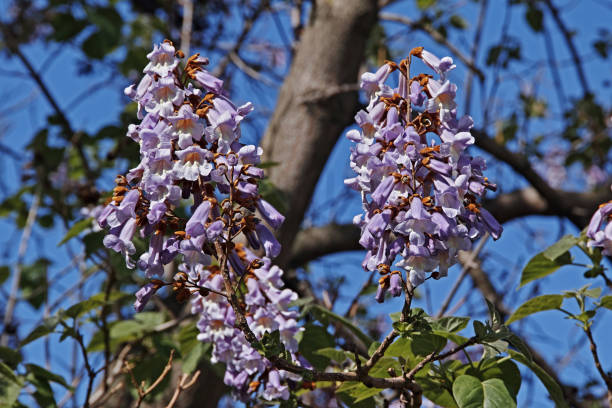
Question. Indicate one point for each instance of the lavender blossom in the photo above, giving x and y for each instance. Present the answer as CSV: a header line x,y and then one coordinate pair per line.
x,y
193,163
420,189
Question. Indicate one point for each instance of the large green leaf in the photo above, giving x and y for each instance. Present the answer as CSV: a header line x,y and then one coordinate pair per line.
x,y
434,390
451,324
315,338
382,366
470,392
10,386
317,309
47,327
339,356
535,305
554,390
502,368
10,356
540,266
560,247
47,375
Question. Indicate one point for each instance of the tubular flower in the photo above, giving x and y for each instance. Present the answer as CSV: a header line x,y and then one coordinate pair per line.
x,y
599,230
192,162
421,191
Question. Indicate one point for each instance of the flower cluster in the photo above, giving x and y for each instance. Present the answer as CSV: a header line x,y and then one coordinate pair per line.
x,y
192,162
599,231
420,190
267,310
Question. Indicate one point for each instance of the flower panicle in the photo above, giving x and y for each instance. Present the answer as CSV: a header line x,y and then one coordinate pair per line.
x,y
421,191
191,157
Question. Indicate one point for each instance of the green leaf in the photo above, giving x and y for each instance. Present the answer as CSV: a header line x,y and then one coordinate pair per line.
x,y
80,308
469,392
9,356
401,348
501,368
518,344
554,390
5,272
315,338
359,392
535,305
382,366
451,324
436,391
10,386
601,46
606,302
492,349
480,329
43,373
34,282
43,394
272,345
373,347
66,26
193,358
367,340
98,44
425,4
339,356
47,327
75,230
540,266
426,343
534,17
458,22
560,247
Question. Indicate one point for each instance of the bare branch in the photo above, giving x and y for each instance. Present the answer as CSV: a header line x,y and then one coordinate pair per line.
x,y
570,45
186,25
183,384
604,375
7,322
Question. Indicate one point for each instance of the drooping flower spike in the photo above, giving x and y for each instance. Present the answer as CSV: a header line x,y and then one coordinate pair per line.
x,y
421,190
191,156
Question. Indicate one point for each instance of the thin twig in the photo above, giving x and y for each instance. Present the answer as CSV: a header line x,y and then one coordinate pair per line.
x,y
466,266
142,391
570,45
23,245
73,137
186,25
605,376
183,384
474,54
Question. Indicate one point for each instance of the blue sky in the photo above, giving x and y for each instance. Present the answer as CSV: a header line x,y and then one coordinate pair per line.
x,y
551,334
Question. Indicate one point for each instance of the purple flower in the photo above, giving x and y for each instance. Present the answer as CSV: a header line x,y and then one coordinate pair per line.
x,y
208,81
196,224
270,214
274,389
441,66
192,164
269,242
187,126
420,193
143,296
162,60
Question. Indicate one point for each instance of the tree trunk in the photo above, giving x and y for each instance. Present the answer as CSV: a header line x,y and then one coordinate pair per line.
x,y
317,101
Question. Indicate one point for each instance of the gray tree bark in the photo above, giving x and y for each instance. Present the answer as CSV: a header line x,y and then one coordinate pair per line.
x,y
317,101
